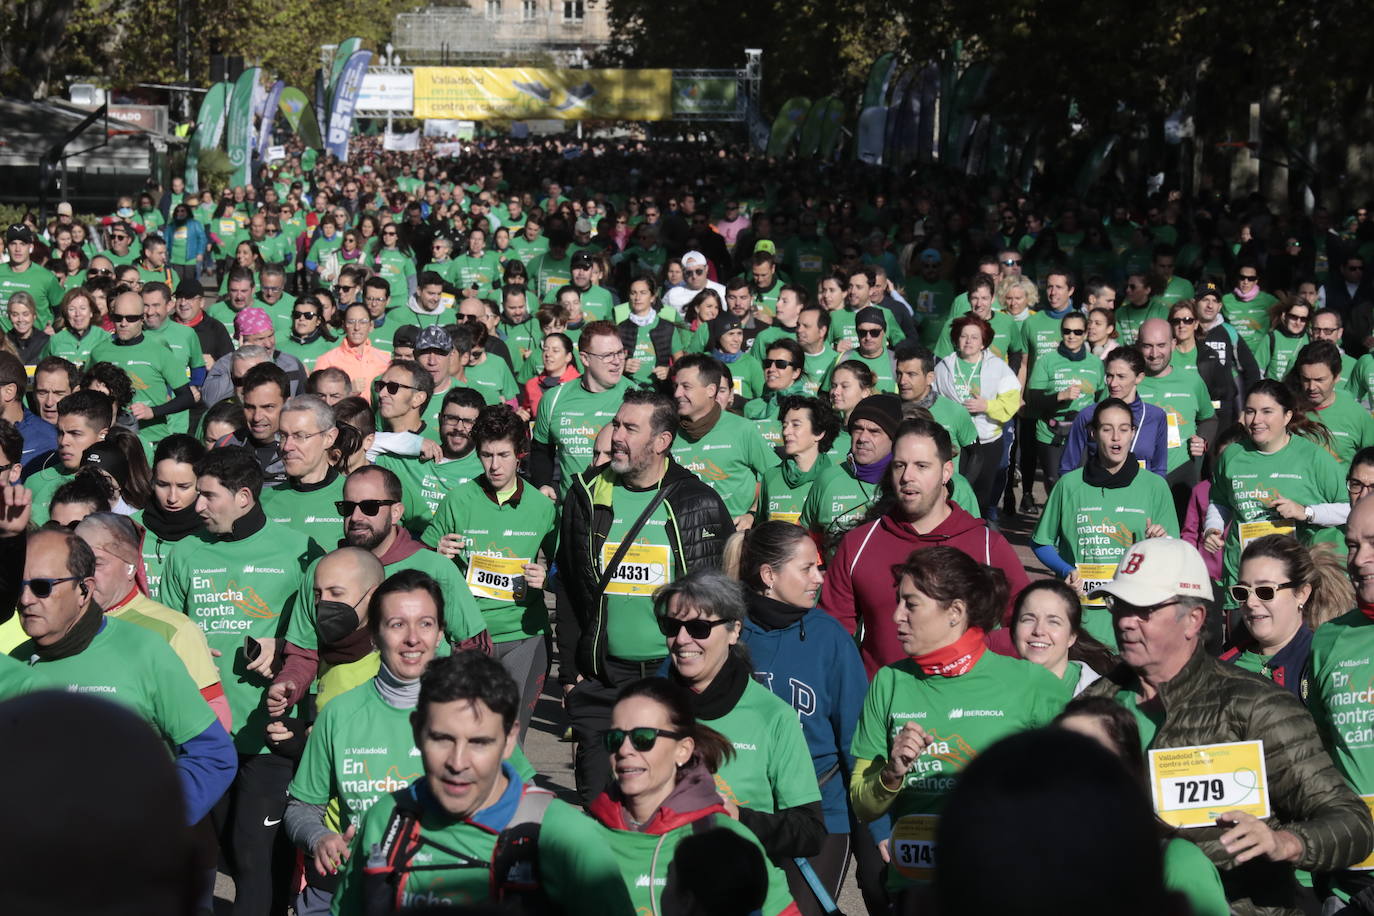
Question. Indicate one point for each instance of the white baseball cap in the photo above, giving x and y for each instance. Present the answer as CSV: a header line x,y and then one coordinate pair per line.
x,y
694,259
1155,570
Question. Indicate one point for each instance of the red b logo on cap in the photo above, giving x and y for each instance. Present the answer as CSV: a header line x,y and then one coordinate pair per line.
x,y
1132,564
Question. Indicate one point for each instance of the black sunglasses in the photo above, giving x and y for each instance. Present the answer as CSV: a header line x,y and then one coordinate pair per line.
x,y
1263,592
641,739
1183,319
1011,262
778,364
393,387
296,315
870,332
697,627
42,588
125,319
1073,332
370,507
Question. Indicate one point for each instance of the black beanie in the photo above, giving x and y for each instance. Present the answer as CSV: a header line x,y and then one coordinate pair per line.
x,y
882,409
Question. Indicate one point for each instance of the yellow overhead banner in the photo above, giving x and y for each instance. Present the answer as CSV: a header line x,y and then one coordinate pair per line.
x,y
520,93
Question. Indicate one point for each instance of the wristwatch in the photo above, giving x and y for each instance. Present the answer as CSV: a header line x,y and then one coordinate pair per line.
x,y
1309,513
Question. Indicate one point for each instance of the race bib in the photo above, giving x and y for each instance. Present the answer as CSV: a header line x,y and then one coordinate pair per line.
x,y
737,385
1093,576
1193,785
494,577
913,846
1367,864
791,518
1250,531
925,302
1175,438
642,570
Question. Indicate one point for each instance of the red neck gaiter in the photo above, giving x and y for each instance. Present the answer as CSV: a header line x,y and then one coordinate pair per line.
x,y
957,657
1367,609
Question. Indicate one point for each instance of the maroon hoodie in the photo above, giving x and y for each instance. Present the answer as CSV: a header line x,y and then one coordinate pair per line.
x,y
859,585
693,797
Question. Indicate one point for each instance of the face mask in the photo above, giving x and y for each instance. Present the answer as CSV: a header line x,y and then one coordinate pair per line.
x,y
334,620
125,211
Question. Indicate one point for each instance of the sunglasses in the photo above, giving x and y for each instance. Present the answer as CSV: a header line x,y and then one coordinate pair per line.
x,y
42,588
698,272
697,628
370,507
1301,319
1263,592
870,332
1247,278
1011,262
100,272
308,315
1074,332
1182,319
125,319
641,739
393,387
778,364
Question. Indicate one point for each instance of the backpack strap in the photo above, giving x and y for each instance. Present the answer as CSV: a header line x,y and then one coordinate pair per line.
x,y
515,857
387,869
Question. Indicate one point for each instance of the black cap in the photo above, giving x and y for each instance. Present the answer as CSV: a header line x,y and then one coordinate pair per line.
x,y
18,233
1206,288
871,314
189,288
883,409
582,259
405,336
107,457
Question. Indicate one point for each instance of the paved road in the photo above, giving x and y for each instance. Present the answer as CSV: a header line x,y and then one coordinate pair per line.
x,y
552,757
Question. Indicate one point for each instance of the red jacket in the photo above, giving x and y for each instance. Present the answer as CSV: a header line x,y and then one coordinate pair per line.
x,y
859,584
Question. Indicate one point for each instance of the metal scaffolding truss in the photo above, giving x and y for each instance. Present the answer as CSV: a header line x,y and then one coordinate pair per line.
x,y
566,29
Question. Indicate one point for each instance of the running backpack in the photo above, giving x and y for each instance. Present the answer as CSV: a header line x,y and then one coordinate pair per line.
x,y
513,869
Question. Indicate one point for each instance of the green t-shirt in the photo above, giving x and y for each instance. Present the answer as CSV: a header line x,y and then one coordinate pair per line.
x,y
746,377
1040,334
836,503
492,379
425,483
39,283
1350,425
1340,697
1129,318
526,251
1094,526
178,245
547,274
883,366
392,320
1184,398
43,485
525,343
569,417
15,679
576,866
185,346
631,628
1007,337
965,715
1053,372
1275,351
75,349
771,769
1251,318
397,269
731,457
323,246
956,420
155,553
1247,480
483,272
1188,871
135,668
153,370
234,589
816,373
499,540
307,353
643,350
309,510
781,501
931,303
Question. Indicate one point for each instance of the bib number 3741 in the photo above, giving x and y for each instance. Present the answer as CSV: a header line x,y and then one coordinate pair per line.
x,y
913,846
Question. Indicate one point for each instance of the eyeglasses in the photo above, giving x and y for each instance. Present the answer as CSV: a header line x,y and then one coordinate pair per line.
x,y
1354,267
119,237
370,507
641,739
1183,319
614,356
296,316
778,364
393,387
388,232
125,319
870,332
42,588
1300,319
697,628
1263,592
298,437
1073,332
452,420
1118,608
272,289
1011,262
1354,486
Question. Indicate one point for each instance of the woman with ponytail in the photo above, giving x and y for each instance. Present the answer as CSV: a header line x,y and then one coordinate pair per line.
x,y
1285,591
808,660
927,716
663,762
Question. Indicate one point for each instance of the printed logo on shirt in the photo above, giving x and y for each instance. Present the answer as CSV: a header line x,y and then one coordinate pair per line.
x,y
266,569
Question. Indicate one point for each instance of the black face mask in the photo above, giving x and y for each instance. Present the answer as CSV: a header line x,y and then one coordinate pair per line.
x,y
334,621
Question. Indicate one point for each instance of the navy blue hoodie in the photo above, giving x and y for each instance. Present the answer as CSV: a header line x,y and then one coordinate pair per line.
x,y
806,658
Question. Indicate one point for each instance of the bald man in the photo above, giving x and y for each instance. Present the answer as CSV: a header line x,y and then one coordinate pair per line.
x,y
342,583
162,384
1184,399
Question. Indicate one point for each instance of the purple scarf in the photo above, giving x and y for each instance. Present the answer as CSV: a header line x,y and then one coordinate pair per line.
x,y
872,473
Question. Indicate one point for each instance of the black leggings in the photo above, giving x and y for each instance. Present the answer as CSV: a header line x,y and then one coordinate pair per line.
x,y
829,865
979,463
251,813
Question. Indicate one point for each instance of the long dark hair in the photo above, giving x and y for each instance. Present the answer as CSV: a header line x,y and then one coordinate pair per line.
x,y
1086,648
712,748
946,575
1299,424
